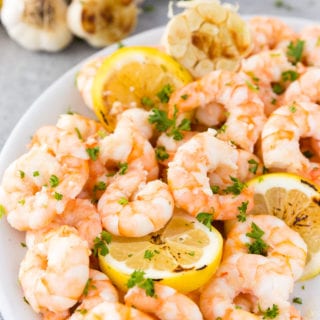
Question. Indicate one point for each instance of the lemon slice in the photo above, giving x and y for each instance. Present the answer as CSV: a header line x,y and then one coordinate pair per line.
x,y
183,255
297,202
135,77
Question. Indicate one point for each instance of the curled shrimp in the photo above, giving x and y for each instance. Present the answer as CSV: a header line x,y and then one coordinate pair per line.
x,y
282,133
127,145
98,289
306,88
269,33
166,304
190,185
84,79
37,186
254,281
79,213
54,272
266,68
311,50
282,242
111,310
245,109
133,208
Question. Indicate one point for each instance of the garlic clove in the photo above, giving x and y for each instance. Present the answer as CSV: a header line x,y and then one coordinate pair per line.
x,y
102,22
37,24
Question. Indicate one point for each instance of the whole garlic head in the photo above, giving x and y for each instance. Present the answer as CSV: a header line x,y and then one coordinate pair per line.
x,y
102,22
37,24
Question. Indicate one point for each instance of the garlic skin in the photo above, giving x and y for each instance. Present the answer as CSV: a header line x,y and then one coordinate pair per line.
x,y
102,22
37,24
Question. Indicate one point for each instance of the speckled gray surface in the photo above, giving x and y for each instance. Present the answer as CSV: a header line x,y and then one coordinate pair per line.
x,y
24,74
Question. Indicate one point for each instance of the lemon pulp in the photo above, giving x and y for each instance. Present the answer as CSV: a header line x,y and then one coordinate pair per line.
x,y
183,255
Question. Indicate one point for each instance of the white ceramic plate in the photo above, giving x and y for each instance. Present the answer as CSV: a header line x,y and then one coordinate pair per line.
x,y
58,98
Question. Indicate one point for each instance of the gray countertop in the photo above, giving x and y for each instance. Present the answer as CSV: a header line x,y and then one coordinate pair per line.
x,y
25,74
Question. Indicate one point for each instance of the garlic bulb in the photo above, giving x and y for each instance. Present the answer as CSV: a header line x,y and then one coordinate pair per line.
x,y
37,24
102,22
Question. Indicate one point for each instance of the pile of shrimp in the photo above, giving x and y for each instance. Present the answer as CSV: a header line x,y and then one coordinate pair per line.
x,y
76,180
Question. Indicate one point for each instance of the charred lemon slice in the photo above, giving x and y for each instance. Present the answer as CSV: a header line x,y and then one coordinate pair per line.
x,y
297,202
141,77
183,255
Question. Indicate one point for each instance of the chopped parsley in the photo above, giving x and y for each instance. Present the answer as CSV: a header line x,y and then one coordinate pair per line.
x,y
215,189
258,246
148,8
236,188
289,75
120,45
161,153
184,97
277,88
78,134
164,93
164,124
123,168
147,102
23,245
222,129
22,174
292,108
295,51
22,201
148,254
242,216
53,181
297,300
36,173
99,186
100,244
93,153
271,313
88,286
252,87
137,279
253,166
123,201
58,196
205,218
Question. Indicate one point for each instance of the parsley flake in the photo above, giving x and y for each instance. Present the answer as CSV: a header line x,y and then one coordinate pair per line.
x,y
253,166
164,93
297,300
295,51
277,88
236,188
2,211
54,181
36,173
242,216
215,189
93,153
88,286
258,246
271,313
148,254
137,279
161,153
100,244
123,201
123,168
147,102
78,134
22,174
292,108
289,75
205,218
58,196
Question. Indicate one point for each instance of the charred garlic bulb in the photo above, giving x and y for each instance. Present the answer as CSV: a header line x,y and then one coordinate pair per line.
x,y
37,24
102,22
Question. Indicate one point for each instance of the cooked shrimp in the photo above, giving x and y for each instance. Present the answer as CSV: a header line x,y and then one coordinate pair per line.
x,y
49,315
79,213
257,279
245,109
82,126
59,142
127,145
281,135
270,33
283,242
84,79
265,68
306,88
213,114
98,289
130,207
311,49
37,186
166,304
170,145
110,311
54,273
189,183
